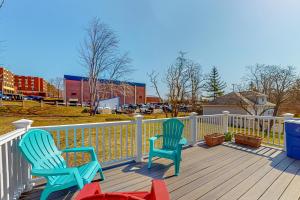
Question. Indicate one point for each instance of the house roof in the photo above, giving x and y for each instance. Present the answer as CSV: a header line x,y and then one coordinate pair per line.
x,y
79,78
236,98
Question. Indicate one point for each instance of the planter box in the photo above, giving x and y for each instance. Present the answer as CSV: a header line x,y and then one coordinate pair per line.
x,y
214,139
249,140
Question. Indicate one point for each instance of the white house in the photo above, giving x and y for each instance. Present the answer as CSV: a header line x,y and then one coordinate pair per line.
x,y
247,103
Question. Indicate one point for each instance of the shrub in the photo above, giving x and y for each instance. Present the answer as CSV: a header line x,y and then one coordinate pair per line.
x,y
85,110
228,136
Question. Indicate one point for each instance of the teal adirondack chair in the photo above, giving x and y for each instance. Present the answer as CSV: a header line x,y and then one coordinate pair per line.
x,y
172,143
39,149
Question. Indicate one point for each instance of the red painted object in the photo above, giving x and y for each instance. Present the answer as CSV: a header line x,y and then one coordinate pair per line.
x,y
92,191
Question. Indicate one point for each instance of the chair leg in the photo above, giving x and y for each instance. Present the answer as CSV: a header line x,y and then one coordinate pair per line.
x,y
101,174
177,166
149,161
45,194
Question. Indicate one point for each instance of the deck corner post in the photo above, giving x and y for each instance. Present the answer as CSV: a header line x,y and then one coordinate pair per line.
x,y
225,121
193,128
139,141
23,124
286,116
25,170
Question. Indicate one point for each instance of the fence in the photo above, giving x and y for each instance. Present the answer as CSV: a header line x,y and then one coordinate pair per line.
x,y
14,170
116,142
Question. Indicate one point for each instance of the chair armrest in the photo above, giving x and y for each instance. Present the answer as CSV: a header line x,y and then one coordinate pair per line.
x,y
159,190
159,136
155,138
82,149
53,172
59,172
78,149
183,141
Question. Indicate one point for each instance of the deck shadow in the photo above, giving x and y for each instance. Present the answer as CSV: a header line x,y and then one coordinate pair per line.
x,y
157,170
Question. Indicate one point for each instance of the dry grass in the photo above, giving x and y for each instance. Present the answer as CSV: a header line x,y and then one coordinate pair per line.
x,y
54,115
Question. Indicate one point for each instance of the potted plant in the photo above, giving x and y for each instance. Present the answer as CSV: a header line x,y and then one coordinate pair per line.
x,y
214,139
228,136
250,140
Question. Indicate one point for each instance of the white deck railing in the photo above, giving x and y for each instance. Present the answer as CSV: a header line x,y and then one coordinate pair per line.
x,y
121,141
14,170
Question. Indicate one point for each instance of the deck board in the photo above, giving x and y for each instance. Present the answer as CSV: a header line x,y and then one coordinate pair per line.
x,y
223,172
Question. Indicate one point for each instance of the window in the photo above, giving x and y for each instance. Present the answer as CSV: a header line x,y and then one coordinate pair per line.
x,y
140,97
73,94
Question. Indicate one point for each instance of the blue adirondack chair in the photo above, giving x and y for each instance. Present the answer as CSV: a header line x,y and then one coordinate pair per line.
x,y
39,149
172,143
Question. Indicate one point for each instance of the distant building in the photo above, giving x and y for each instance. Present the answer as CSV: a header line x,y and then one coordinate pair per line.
x,y
77,90
152,99
6,81
30,86
240,103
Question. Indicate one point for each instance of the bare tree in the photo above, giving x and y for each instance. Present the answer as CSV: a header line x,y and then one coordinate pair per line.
x,y
99,54
55,86
196,82
114,81
184,80
154,76
1,3
275,81
177,80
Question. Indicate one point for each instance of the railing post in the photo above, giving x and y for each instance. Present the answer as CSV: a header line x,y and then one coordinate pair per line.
x,y
139,141
225,121
25,124
287,116
193,128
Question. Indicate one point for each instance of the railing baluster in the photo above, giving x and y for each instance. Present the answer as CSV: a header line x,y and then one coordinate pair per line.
x,y
103,143
126,141
121,143
115,138
82,143
263,128
245,125
109,142
97,140
249,125
75,145
132,146
67,143
58,138
258,127
90,138
274,124
268,131
145,139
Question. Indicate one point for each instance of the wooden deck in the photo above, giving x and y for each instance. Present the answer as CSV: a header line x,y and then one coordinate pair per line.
x,y
223,172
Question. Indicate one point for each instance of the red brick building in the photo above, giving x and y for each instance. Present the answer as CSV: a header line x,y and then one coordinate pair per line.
x,y
77,89
152,99
30,86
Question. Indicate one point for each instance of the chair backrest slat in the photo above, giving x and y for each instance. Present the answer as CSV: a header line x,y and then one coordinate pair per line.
x,y
172,131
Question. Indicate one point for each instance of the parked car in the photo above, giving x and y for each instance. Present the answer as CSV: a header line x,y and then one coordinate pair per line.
x,y
5,97
146,109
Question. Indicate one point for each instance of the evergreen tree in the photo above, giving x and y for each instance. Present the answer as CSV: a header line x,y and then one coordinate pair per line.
x,y
214,85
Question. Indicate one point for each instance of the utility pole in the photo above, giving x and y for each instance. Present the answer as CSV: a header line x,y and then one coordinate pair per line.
x,y
233,87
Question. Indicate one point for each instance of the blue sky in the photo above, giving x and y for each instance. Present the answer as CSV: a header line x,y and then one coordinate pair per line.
x,y
42,38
